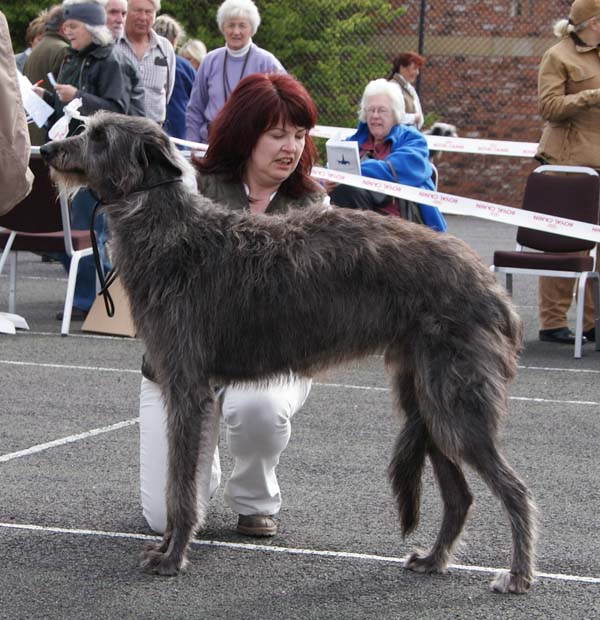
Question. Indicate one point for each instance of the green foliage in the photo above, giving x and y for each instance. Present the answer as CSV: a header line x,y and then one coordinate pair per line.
x,y
18,15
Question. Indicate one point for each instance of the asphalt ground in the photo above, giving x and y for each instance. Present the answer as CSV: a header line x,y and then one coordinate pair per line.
x,y
71,527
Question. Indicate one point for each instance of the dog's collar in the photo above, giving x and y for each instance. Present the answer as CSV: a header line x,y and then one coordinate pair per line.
x,y
154,185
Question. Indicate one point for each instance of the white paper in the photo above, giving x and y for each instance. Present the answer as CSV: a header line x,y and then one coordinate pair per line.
x,y
342,155
37,109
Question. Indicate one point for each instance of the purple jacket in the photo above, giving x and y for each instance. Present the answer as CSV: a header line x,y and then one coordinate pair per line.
x,y
214,83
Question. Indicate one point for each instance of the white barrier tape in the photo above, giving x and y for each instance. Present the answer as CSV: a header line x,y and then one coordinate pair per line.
x,y
456,205
196,146
444,143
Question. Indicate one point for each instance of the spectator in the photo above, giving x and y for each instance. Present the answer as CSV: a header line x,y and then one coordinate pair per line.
x,y
15,176
47,58
259,161
389,151
116,11
405,70
224,67
94,71
569,102
172,30
194,51
152,54
33,35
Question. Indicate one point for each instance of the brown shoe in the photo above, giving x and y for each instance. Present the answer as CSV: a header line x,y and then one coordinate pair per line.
x,y
257,525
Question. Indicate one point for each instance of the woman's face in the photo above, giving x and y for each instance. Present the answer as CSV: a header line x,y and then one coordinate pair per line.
x,y
79,36
379,115
275,155
410,73
237,32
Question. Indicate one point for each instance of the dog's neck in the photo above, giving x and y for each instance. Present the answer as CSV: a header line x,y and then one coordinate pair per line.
x,y
104,199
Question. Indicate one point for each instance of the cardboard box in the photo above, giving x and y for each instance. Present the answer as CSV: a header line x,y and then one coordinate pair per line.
x,y
120,324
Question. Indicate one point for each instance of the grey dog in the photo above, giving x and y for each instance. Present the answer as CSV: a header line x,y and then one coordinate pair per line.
x,y
220,296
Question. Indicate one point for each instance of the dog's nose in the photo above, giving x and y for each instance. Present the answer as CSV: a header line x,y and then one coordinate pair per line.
x,y
47,150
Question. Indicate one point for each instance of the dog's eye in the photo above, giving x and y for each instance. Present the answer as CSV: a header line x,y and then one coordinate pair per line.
x,y
97,134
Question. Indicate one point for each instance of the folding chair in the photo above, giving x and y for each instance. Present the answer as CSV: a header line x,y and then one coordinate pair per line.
x,y
571,192
41,223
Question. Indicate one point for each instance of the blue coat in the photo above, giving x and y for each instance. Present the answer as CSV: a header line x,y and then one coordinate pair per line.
x,y
184,81
410,159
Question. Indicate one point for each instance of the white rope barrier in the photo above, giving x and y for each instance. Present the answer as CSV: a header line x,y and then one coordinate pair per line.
x,y
456,205
445,143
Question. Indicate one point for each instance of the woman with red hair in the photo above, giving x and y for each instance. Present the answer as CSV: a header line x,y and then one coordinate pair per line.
x,y
259,159
405,70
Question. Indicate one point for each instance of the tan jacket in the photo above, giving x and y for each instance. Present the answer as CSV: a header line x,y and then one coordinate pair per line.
x,y
569,102
15,176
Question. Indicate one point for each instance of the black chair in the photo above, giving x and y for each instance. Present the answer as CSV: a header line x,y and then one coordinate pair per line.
x,y
572,192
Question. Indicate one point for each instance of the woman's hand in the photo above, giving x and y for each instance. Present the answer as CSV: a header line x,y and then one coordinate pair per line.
x,y
329,186
65,92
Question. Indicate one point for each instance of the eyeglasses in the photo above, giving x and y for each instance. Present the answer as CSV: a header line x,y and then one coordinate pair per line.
x,y
381,110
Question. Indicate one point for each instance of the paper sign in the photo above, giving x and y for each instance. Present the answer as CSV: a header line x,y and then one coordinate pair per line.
x,y
37,109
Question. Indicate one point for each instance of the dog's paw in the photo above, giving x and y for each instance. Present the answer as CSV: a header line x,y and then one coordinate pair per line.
x,y
507,583
426,565
156,562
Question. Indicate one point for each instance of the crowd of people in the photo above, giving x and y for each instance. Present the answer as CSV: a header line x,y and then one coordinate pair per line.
x,y
117,55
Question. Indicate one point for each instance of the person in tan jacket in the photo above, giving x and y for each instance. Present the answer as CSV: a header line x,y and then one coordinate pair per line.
x,y
15,176
569,102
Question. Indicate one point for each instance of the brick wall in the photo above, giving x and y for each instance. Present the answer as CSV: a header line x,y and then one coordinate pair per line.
x,y
480,75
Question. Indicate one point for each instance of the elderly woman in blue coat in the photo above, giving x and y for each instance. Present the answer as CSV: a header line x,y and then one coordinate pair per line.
x,y
391,152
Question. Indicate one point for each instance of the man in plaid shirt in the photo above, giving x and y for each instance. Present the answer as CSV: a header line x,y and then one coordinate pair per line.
x,y
152,54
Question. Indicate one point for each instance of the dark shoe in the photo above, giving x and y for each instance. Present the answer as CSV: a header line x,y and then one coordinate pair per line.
x,y
257,525
77,314
590,334
562,335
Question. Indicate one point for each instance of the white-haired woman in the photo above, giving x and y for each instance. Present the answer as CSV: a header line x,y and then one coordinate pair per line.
x,y
194,51
97,74
569,102
92,70
224,67
389,151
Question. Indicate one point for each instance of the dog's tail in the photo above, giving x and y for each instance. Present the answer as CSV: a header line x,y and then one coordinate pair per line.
x,y
406,467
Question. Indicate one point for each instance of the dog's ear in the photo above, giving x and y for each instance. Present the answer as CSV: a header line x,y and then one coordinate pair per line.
x,y
157,154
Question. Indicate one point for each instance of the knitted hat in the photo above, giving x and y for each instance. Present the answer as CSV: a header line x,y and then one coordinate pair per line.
x,y
89,13
582,10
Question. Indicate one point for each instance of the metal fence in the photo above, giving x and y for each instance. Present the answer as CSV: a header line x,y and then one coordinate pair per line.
x,y
480,74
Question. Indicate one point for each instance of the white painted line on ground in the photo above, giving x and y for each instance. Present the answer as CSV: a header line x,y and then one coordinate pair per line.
x,y
276,549
66,440
332,385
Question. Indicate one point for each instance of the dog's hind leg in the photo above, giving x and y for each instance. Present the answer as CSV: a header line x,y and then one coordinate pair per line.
x,y
192,424
517,501
457,500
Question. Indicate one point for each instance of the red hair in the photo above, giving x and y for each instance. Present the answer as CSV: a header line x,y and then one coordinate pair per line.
x,y
258,103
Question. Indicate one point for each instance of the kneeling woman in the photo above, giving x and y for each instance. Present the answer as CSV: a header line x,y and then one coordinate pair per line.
x,y
259,160
391,152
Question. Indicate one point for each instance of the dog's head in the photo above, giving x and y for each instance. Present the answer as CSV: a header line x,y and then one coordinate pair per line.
x,y
115,156
442,129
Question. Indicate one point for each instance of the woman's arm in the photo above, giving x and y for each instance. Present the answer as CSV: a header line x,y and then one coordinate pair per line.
x,y
409,158
554,103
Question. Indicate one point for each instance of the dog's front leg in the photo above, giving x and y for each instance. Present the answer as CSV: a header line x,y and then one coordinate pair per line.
x,y
192,423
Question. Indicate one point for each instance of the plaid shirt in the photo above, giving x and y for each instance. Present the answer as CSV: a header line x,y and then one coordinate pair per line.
x,y
157,72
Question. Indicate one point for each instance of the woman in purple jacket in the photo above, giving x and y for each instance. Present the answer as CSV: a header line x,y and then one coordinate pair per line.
x,y
224,67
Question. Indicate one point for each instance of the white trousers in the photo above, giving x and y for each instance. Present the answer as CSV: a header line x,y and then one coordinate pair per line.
x,y
257,420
